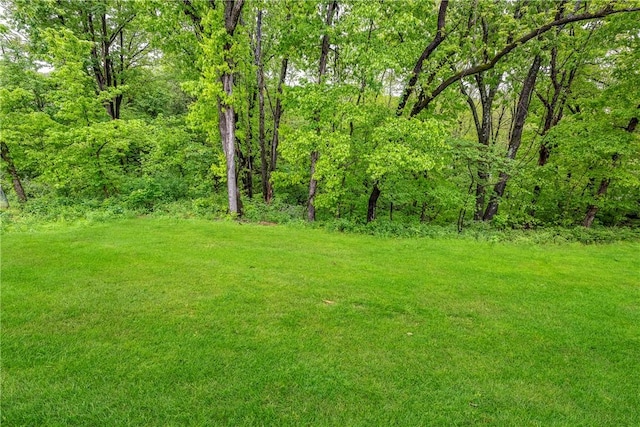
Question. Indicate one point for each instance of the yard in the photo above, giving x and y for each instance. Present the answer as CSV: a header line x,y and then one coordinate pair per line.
x,y
187,322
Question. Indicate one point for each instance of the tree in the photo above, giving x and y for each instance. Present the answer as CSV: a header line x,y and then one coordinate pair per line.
x,y
436,109
515,137
434,88
227,118
15,177
118,44
22,101
261,130
216,26
322,69
404,150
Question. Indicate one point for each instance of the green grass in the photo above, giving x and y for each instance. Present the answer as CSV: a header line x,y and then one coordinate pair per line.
x,y
186,322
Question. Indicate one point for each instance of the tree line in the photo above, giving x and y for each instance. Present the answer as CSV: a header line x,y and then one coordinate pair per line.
x,y
521,113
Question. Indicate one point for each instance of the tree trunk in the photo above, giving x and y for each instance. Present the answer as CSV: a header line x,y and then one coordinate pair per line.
x,y
110,78
322,69
633,124
481,191
423,212
227,126
277,114
498,192
554,111
324,52
373,200
4,203
483,125
17,184
592,210
227,123
313,185
245,162
261,138
516,135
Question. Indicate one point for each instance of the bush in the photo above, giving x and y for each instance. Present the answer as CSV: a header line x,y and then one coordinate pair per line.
x,y
485,232
277,211
156,199
145,193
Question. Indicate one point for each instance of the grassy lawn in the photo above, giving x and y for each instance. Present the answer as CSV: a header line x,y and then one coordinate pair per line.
x,y
186,322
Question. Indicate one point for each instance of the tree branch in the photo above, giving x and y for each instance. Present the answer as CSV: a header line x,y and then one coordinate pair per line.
x,y
232,11
190,11
417,69
120,28
421,105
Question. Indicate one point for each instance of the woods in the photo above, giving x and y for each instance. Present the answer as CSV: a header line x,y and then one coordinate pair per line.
x,y
513,113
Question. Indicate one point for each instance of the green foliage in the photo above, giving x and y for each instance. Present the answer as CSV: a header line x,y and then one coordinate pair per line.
x,y
92,160
276,212
404,149
486,232
179,153
157,93
65,65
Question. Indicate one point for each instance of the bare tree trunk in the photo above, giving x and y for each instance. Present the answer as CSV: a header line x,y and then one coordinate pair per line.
x,y
226,113
423,212
481,192
227,126
554,111
313,187
17,184
110,78
227,123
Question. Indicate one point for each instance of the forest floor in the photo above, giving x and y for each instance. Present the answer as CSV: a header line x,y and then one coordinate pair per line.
x,y
187,322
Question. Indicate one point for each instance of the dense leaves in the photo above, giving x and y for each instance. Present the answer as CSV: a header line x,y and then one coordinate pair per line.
x,y
514,112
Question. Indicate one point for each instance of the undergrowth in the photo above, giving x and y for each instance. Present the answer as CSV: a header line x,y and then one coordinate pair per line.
x,y
54,212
